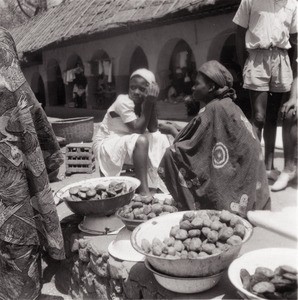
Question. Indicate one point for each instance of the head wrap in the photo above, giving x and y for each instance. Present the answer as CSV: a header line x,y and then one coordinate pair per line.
x,y
144,73
217,73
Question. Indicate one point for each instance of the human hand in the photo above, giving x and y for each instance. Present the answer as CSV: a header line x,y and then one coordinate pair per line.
x,y
152,92
166,128
287,106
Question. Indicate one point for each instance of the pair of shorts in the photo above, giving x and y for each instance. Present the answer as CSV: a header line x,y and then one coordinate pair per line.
x,y
268,70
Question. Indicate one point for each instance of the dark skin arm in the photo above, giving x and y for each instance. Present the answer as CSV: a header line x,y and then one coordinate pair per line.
x,y
240,45
153,122
169,128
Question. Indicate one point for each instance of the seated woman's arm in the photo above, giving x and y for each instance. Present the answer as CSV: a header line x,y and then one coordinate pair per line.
x,y
169,128
153,122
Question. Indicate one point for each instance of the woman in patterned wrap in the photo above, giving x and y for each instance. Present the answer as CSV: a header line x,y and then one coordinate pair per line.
x,y
29,150
216,161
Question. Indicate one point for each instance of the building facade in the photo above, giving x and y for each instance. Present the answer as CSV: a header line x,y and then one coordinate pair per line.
x,y
167,46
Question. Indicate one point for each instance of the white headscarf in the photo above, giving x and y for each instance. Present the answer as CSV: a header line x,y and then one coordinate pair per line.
x,y
144,73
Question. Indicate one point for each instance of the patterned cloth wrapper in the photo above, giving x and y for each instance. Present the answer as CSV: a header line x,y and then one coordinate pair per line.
x,y
216,162
28,152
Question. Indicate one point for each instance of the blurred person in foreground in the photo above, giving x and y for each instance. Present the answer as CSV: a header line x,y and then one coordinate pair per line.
x,y
29,222
216,160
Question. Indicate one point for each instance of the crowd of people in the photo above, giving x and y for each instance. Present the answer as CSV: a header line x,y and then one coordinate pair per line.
x,y
214,162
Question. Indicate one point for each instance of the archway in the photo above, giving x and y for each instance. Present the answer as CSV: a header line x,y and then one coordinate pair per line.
x,y
138,60
38,89
76,82
176,71
228,57
56,88
132,57
101,83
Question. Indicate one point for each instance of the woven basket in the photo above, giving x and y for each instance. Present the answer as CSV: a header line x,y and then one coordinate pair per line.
x,y
75,130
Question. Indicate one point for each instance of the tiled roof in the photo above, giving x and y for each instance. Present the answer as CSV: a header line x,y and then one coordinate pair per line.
x,y
79,18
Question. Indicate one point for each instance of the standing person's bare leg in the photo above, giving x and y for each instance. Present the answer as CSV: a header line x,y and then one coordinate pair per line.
x,y
258,102
290,152
140,161
272,111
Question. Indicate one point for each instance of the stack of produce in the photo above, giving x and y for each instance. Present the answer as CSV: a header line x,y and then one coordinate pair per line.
x,y
146,208
266,283
99,192
199,234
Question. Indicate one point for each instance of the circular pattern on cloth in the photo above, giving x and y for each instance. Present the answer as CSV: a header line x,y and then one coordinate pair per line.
x,y
220,155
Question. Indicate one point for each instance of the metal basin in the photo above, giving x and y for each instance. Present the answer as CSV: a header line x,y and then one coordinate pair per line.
x,y
204,266
102,207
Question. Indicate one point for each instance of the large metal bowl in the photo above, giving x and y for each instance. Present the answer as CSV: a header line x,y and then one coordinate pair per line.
x,y
268,257
160,227
103,207
132,224
185,285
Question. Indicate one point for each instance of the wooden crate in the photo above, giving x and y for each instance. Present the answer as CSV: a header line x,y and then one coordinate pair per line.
x,y
79,158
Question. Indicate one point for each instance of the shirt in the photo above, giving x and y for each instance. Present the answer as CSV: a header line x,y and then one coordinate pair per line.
x,y
269,23
120,113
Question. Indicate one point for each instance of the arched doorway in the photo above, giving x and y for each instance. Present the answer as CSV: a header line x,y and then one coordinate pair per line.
x,y
228,57
183,69
76,82
176,71
56,87
101,83
138,60
38,89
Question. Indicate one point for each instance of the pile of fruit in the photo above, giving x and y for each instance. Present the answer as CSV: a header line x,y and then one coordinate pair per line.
x,y
278,284
198,234
146,208
99,192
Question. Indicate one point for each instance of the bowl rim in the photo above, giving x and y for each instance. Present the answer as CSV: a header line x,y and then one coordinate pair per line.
x,y
59,194
231,268
248,226
150,268
128,220
133,220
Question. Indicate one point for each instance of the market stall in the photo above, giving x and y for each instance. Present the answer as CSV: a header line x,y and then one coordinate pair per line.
x,y
100,271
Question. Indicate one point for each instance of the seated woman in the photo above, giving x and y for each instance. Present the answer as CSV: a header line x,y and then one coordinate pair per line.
x,y
129,134
216,161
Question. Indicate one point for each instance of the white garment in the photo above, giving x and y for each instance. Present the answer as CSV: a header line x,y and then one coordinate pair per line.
x,y
100,67
64,77
106,67
269,23
110,73
70,75
183,59
114,142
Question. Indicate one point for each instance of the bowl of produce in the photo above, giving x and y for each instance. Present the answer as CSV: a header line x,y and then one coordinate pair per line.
x,y
141,209
269,273
185,285
192,243
99,196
